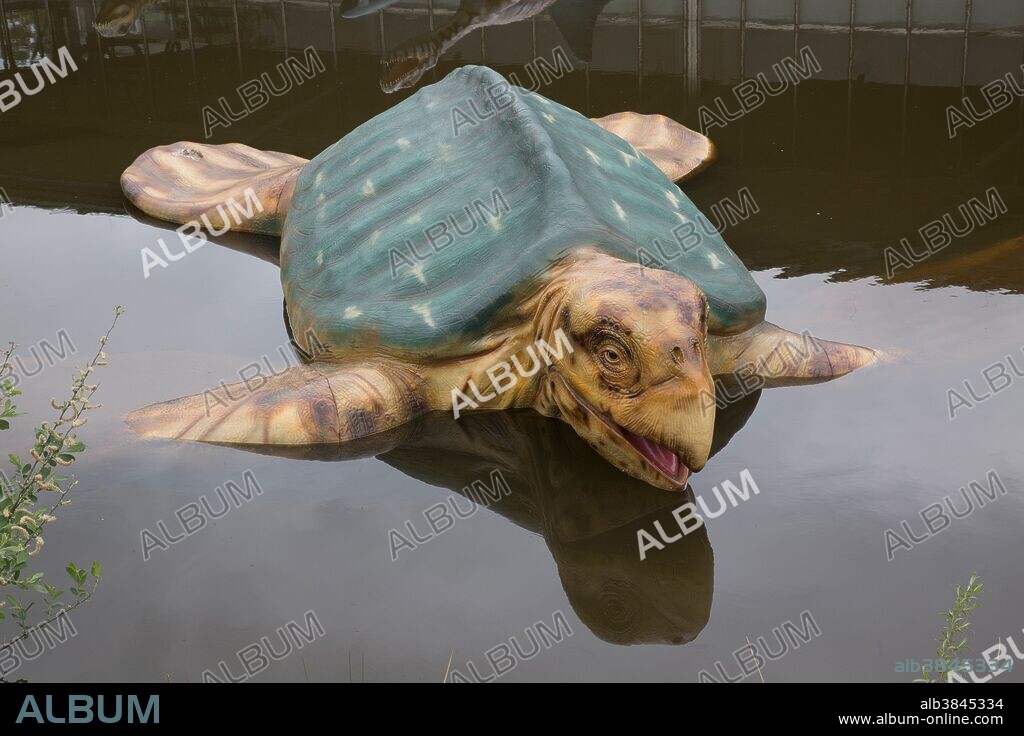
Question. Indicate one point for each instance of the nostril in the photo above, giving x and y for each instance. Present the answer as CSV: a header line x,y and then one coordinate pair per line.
x,y
694,344
677,356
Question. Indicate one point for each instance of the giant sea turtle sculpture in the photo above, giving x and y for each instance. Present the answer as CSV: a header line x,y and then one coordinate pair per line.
x,y
464,313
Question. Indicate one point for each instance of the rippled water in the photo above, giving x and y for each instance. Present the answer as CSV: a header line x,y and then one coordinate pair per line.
x,y
840,169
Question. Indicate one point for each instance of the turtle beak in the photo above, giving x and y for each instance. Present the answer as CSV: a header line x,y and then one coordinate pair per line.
x,y
660,437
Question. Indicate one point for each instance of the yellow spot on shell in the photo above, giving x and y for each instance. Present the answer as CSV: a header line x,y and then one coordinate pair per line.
x,y
352,312
424,311
418,217
548,116
320,258
368,190
404,144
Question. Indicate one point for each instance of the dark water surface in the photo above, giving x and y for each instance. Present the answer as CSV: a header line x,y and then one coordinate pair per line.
x,y
841,166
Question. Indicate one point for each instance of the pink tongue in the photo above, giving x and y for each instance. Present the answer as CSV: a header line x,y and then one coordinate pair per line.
x,y
666,460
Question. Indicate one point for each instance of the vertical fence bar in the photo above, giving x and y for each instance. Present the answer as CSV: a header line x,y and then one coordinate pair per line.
x,y
5,39
1020,125
743,40
430,27
191,45
334,40
52,26
851,50
586,84
906,87
99,62
796,28
692,20
238,39
640,51
284,28
796,88
743,75
149,69
337,67
968,7
39,27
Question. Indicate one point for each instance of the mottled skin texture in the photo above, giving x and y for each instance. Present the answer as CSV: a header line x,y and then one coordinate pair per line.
x,y
405,65
637,385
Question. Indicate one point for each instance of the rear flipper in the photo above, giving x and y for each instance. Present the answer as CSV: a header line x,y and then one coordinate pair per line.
x,y
679,152
224,187
783,358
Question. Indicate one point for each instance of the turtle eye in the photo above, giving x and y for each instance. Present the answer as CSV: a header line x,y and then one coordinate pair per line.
x,y
616,361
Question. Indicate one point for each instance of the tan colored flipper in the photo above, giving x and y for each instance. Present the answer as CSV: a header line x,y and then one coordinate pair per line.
x,y
783,358
320,403
675,149
214,186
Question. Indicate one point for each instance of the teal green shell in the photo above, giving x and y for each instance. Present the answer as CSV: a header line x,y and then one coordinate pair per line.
x,y
564,182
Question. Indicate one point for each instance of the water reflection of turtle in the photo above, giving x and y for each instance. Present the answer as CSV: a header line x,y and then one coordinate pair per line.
x,y
555,262
587,512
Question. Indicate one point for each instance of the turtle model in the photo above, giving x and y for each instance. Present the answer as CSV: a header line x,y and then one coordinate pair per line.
x,y
433,264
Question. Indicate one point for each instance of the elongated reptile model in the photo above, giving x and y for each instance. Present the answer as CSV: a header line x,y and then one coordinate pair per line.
x,y
116,17
406,64
490,266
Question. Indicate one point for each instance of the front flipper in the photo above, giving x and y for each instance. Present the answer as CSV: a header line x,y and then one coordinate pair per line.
x,y
675,149
214,186
315,404
783,358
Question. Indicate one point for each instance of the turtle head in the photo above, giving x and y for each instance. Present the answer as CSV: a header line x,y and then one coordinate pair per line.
x,y
635,386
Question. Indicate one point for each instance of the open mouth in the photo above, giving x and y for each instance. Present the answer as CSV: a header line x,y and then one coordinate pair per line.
x,y
110,31
402,68
664,460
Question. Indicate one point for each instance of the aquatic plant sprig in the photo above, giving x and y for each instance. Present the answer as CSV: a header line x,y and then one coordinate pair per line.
x,y
52,448
21,521
953,639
